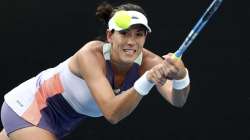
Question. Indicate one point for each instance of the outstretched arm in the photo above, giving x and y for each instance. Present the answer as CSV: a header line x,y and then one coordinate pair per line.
x,y
176,97
114,108
171,79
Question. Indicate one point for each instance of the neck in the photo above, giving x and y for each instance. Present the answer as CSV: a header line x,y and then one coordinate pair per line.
x,y
119,68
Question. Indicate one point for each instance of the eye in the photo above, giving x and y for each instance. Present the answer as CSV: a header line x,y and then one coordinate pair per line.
x,y
140,33
123,32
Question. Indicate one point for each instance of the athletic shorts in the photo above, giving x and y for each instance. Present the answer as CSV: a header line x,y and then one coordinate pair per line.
x,y
58,117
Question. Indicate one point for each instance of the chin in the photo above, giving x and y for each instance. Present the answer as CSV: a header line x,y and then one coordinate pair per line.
x,y
128,61
128,58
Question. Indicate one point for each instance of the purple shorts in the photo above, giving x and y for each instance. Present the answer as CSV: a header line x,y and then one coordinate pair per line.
x,y
58,117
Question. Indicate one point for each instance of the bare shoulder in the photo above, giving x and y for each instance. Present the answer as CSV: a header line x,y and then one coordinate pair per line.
x,y
93,46
86,57
91,50
150,59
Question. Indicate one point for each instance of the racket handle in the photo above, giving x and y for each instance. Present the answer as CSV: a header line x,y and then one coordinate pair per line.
x,y
178,54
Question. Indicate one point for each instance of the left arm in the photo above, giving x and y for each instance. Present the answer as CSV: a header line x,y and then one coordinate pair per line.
x,y
175,97
171,79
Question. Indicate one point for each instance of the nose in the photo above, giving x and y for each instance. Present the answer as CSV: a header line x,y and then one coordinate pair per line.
x,y
131,40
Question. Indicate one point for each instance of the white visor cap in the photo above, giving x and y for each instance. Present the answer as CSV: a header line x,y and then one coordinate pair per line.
x,y
122,20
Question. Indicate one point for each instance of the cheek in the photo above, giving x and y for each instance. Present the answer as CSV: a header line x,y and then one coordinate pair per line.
x,y
140,49
118,40
142,42
142,39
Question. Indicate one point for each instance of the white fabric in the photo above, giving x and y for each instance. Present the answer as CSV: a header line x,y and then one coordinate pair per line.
x,y
17,98
182,83
22,96
75,92
143,85
136,18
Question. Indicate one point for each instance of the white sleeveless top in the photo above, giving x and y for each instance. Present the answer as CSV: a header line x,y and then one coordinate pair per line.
x,y
29,98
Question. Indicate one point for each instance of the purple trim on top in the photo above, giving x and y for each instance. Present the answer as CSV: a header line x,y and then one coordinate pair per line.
x,y
130,78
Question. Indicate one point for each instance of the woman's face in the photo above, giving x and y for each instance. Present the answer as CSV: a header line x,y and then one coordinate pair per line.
x,y
127,44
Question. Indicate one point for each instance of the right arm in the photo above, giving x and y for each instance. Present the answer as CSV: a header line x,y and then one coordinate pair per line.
x,y
163,72
114,107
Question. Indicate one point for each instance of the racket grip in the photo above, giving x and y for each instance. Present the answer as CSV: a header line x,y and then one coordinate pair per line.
x,y
178,54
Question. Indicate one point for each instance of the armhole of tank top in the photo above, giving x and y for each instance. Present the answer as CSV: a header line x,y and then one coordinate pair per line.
x,y
67,69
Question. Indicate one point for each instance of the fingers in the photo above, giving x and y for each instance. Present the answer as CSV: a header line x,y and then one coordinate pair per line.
x,y
158,75
170,68
171,58
175,65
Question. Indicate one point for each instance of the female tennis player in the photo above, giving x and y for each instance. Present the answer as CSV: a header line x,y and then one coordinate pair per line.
x,y
104,78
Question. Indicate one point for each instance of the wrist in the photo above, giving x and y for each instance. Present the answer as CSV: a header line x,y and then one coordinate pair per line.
x,y
143,85
182,83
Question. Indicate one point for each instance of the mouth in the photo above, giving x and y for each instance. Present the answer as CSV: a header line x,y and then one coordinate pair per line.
x,y
129,51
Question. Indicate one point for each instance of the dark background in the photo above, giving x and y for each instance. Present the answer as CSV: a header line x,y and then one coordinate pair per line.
x,y
37,34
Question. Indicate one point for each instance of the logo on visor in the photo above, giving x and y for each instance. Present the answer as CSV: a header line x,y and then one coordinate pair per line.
x,y
133,17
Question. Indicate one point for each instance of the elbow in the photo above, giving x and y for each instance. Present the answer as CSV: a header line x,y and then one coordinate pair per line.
x,y
114,113
112,118
181,100
113,121
179,104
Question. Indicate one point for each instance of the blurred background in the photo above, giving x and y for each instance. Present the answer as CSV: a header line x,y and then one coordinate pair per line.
x,y
38,34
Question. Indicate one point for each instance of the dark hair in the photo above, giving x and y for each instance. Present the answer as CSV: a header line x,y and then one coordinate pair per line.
x,y
105,11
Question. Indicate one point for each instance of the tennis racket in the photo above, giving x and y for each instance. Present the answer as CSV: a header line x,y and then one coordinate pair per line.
x,y
198,27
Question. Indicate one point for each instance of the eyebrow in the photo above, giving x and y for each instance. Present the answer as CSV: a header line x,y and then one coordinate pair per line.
x,y
141,28
137,28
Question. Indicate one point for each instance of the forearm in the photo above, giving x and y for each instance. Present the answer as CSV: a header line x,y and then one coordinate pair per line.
x,y
179,97
180,90
126,102
176,91
123,104
175,97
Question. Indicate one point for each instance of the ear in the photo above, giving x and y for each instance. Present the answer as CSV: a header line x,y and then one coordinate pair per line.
x,y
109,34
146,33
